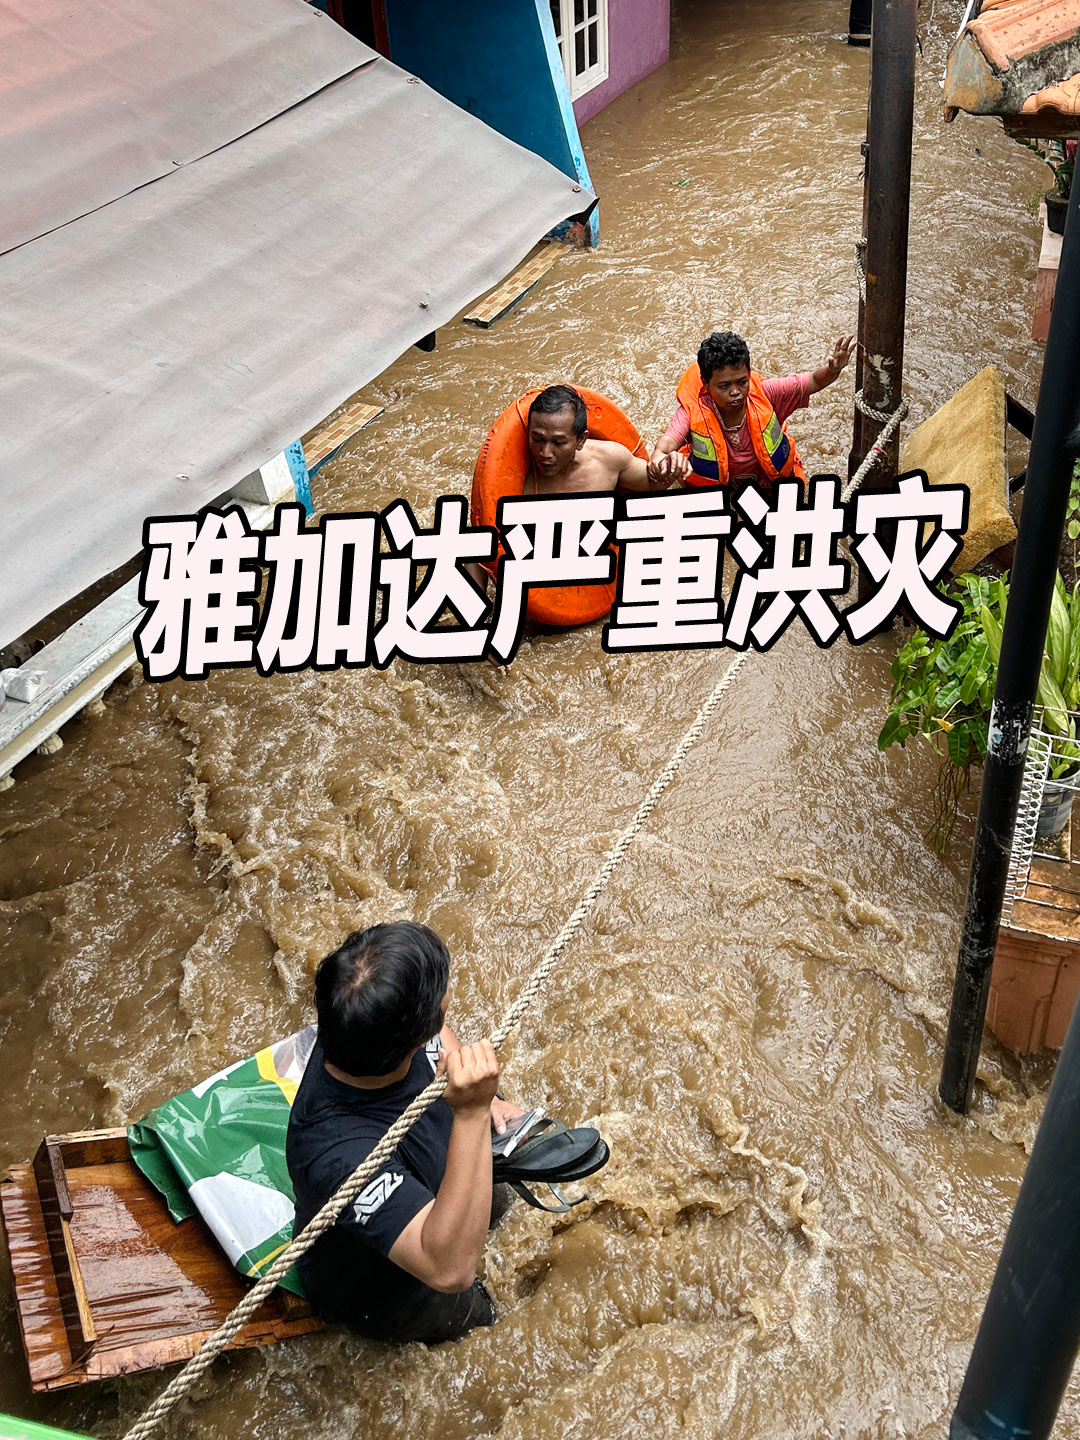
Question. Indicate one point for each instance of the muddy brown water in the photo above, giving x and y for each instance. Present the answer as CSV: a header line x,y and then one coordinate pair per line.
x,y
791,1240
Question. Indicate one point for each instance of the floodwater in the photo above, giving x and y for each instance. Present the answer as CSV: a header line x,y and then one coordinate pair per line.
x,y
791,1239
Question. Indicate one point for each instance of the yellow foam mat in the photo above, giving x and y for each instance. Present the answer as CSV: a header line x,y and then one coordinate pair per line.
x,y
963,443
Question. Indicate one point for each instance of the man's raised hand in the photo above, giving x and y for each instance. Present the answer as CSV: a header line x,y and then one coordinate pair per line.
x,y
472,1077
841,353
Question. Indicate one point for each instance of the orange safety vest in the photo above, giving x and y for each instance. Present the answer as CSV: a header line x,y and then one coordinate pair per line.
x,y
707,450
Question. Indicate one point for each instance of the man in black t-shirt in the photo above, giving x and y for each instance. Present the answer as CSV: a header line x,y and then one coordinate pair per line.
x,y
400,1264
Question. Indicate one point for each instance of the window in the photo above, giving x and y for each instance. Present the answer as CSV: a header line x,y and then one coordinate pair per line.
x,y
581,30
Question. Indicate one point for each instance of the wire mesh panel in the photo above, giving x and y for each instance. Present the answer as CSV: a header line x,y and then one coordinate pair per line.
x,y
1051,780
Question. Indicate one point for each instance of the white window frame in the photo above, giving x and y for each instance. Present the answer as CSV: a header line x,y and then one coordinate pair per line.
x,y
565,31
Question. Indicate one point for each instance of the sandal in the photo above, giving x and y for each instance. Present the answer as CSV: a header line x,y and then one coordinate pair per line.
x,y
551,1154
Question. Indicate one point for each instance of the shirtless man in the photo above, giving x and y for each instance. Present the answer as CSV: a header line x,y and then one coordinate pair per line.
x,y
566,462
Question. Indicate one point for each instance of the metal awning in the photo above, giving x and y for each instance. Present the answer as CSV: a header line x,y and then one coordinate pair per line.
x,y
187,290
1020,60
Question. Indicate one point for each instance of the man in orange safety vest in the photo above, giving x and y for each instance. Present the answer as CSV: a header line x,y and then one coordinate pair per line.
x,y
730,422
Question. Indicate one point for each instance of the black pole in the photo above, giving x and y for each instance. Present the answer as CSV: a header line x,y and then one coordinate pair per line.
x,y
1030,1329
886,205
1042,520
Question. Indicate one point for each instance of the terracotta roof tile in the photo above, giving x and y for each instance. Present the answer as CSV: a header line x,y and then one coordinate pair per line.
x,y
1009,29
1064,98
1020,59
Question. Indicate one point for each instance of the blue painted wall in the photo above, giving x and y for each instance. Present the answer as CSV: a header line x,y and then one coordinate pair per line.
x,y
497,59
294,456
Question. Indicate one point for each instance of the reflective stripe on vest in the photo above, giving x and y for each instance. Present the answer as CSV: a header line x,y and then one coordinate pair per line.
x,y
776,442
703,457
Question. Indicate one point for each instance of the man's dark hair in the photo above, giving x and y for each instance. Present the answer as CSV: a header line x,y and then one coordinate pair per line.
x,y
562,397
379,996
721,350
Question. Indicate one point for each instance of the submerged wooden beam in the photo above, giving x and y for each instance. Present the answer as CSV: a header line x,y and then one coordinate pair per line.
x,y
515,287
324,442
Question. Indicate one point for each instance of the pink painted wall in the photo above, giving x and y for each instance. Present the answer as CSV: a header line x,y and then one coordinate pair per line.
x,y
638,35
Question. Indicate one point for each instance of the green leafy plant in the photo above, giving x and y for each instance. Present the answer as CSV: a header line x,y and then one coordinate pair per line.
x,y
1059,677
1054,154
1072,512
943,689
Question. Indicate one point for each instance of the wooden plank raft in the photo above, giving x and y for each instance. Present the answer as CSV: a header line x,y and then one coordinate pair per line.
x,y
106,1283
515,287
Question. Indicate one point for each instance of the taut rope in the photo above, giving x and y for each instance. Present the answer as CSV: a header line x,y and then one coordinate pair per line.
x,y
212,1346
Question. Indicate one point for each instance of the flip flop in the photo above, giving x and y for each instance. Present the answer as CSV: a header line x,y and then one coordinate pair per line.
x,y
550,1155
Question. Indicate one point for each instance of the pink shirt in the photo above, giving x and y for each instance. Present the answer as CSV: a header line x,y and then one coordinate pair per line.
x,y
786,395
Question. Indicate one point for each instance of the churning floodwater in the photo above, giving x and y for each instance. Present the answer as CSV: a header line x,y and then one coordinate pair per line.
x,y
791,1239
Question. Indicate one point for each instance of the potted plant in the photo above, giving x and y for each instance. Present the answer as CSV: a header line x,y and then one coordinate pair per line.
x,y
943,690
1060,155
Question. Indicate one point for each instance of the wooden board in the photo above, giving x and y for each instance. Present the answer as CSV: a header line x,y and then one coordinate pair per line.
x,y
153,1289
1045,279
515,287
329,437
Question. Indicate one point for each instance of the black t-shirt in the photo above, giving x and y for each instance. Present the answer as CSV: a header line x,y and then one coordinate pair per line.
x,y
332,1128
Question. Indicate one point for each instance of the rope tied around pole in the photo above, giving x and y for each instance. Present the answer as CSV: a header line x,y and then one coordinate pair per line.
x,y
150,1421
881,416
880,448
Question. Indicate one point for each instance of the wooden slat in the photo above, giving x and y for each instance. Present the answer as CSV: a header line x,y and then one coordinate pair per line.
x,y
332,434
1045,279
92,1147
153,1289
56,1212
514,287
1036,974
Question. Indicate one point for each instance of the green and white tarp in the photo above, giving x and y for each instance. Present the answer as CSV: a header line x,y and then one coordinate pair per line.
x,y
218,1150
13,1429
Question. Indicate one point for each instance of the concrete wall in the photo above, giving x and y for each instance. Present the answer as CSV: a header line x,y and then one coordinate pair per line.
x,y
638,37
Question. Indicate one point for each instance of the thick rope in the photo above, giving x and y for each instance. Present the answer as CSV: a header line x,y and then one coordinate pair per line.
x,y
880,448
212,1346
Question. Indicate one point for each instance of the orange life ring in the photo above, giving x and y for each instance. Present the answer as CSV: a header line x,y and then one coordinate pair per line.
x,y
501,468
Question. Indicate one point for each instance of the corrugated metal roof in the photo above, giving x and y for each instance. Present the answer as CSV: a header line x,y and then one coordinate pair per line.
x,y
1019,59
162,345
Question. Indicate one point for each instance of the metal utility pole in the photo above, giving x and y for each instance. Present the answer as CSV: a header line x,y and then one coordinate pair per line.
x,y
1054,445
886,203
1030,1329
